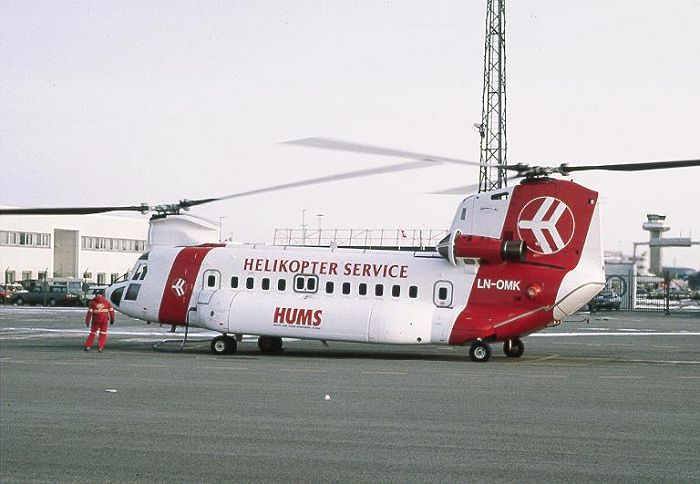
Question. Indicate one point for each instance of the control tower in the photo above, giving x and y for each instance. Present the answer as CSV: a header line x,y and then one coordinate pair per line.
x,y
656,225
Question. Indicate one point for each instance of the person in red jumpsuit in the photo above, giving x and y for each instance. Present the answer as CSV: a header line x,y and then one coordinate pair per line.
x,y
100,312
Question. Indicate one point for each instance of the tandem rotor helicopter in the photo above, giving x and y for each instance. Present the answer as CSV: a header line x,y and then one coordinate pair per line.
x,y
515,261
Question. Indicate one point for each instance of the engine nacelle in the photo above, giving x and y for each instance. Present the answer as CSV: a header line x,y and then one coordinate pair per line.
x,y
486,249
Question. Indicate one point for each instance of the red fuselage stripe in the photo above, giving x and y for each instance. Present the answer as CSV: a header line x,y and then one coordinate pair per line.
x,y
180,284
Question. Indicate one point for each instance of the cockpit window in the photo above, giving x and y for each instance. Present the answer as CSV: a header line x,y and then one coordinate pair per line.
x,y
132,292
140,272
116,296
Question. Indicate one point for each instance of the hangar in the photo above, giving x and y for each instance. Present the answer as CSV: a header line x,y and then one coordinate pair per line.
x,y
99,248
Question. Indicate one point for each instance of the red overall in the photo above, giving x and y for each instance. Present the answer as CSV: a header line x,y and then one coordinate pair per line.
x,y
100,312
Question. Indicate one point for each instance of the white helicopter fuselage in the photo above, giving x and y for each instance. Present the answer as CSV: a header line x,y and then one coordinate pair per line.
x,y
317,293
516,261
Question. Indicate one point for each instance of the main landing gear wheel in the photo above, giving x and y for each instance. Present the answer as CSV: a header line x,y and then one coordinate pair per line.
x,y
513,347
223,345
480,352
270,344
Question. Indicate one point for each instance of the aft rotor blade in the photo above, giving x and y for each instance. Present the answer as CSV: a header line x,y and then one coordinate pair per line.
x,y
339,145
649,165
466,189
315,181
72,210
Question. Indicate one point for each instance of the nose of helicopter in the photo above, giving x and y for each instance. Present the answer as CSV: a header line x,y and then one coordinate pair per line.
x,y
114,292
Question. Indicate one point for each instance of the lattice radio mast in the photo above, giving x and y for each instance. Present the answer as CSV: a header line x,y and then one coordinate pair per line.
x,y
493,115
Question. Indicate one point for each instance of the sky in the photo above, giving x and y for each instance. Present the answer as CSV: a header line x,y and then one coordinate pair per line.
x,y
105,102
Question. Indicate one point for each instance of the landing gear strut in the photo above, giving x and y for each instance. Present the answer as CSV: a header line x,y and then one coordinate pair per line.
x,y
270,344
513,347
480,352
223,345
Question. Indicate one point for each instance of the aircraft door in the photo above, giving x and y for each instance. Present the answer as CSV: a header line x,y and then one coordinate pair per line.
x,y
442,294
211,282
213,304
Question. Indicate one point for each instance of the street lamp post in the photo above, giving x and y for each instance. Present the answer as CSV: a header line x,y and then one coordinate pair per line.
x,y
303,226
319,216
221,217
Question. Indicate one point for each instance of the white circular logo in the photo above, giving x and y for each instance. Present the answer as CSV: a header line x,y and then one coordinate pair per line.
x,y
546,224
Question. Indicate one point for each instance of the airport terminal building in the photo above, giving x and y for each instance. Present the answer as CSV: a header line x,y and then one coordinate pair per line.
x,y
99,248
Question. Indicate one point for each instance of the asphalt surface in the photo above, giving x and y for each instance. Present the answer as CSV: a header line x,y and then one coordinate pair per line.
x,y
613,399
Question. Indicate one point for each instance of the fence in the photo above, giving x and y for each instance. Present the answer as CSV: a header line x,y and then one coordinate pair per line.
x,y
652,293
369,238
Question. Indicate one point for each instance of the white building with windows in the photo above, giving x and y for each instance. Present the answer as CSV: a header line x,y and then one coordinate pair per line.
x,y
99,248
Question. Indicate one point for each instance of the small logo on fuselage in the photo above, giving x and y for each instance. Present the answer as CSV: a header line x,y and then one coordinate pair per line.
x,y
546,224
179,287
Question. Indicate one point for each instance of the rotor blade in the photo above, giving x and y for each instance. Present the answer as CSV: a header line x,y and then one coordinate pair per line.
x,y
72,210
315,181
649,165
467,189
338,145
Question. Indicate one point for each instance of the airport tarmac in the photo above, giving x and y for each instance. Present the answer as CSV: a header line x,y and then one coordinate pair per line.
x,y
614,398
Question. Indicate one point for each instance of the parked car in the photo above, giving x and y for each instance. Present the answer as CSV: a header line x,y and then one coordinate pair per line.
x,y
94,291
605,299
678,293
8,290
50,295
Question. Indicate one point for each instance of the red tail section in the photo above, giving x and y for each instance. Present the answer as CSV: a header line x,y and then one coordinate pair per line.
x,y
553,218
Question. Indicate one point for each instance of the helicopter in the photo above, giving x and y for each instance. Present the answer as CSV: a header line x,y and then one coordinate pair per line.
x,y
515,261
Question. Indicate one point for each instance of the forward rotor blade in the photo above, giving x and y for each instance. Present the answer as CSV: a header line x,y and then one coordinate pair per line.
x,y
649,165
72,210
338,145
185,204
315,181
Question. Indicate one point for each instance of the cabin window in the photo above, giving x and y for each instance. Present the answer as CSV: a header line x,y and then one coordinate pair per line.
x,y
346,288
306,283
234,282
249,283
362,289
413,292
281,284
211,279
442,294
464,213
266,284
379,290
396,290
329,287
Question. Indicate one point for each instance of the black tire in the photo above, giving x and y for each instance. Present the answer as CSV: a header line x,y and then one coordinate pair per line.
x,y
52,302
513,348
270,344
480,352
19,301
223,345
